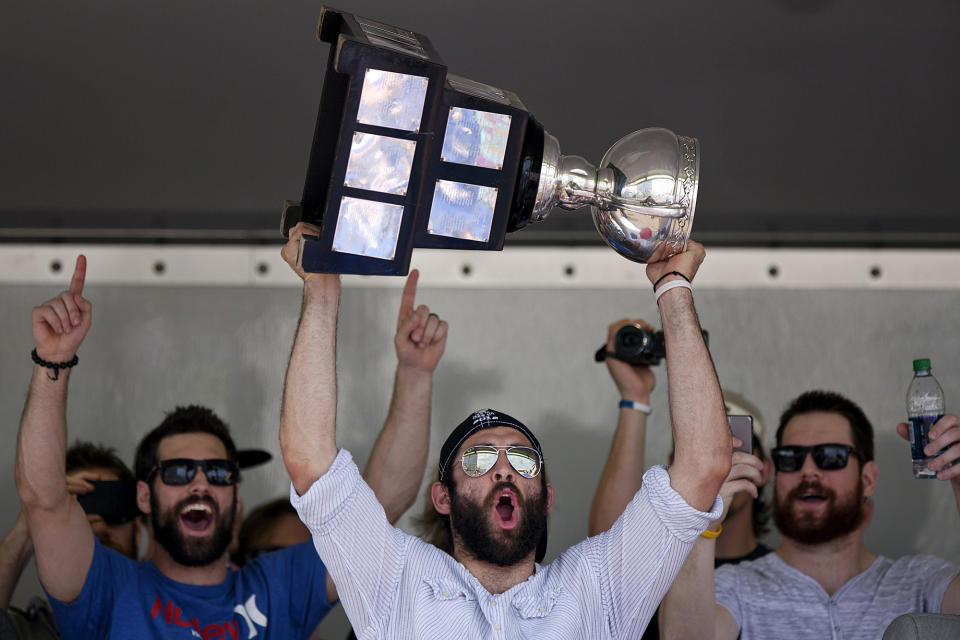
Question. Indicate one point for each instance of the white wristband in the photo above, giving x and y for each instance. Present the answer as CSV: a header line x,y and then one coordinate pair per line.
x,y
673,284
636,406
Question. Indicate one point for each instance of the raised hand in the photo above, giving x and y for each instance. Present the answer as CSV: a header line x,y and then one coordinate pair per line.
x,y
746,474
421,335
686,263
61,323
944,436
634,382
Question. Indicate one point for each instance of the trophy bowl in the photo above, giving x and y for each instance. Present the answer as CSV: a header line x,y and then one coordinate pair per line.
x,y
648,213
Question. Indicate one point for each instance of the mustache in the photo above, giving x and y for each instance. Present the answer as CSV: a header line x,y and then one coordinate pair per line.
x,y
807,486
205,499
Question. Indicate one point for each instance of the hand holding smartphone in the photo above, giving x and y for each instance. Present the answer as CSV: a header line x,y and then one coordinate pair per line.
x,y
742,429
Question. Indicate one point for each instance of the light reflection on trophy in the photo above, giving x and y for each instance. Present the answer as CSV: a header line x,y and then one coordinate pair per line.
x,y
407,155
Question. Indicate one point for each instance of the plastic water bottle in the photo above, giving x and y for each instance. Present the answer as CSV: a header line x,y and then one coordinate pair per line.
x,y
925,405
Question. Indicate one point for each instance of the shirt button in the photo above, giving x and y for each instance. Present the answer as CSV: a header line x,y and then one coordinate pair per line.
x,y
445,594
496,627
836,628
543,609
492,601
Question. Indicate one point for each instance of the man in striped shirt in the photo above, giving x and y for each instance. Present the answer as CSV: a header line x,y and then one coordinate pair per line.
x,y
394,585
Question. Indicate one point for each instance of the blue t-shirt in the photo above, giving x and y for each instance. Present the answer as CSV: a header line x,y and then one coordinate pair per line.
x,y
280,595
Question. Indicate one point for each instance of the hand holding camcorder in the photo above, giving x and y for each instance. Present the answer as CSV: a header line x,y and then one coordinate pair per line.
x,y
636,345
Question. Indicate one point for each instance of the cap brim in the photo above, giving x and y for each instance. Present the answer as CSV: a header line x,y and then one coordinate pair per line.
x,y
247,458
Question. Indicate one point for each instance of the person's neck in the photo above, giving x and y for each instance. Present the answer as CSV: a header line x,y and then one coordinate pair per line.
x,y
495,578
833,563
208,574
737,538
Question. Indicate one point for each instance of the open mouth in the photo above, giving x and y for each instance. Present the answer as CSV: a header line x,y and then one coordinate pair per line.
x,y
197,517
505,509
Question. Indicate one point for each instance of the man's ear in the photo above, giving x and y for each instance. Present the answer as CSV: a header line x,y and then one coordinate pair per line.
x,y
143,496
767,471
870,474
549,497
441,498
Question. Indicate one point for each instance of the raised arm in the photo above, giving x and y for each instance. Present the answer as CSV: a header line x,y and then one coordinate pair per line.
x,y
399,457
701,435
944,438
16,549
690,609
623,472
62,538
308,414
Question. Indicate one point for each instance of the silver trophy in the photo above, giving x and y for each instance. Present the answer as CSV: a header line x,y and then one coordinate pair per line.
x,y
642,196
407,155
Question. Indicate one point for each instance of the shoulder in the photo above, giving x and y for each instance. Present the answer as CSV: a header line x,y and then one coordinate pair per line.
x,y
752,572
915,568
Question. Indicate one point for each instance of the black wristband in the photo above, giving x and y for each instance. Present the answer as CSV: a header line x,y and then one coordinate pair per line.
x,y
672,273
56,366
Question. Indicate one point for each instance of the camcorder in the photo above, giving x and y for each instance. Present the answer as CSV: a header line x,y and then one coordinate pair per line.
x,y
638,346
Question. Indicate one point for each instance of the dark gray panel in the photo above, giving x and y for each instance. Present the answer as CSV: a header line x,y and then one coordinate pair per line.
x,y
814,117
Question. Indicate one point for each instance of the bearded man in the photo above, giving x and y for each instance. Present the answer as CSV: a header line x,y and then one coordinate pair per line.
x,y
187,476
492,490
822,581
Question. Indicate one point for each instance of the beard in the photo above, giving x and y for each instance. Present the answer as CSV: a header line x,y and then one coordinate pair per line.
x,y
487,542
841,517
192,551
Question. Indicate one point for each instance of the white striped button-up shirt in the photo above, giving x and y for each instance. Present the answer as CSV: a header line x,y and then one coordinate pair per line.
x,y
394,585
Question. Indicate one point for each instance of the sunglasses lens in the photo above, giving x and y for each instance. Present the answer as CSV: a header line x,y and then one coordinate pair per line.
x,y
788,459
830,457
220,472
477,461
177,472
525,460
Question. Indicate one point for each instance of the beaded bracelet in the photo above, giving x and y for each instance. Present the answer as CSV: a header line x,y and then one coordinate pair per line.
x,y
56,366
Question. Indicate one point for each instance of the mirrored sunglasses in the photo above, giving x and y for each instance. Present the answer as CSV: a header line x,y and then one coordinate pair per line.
x,y
181,471
479,459
828,457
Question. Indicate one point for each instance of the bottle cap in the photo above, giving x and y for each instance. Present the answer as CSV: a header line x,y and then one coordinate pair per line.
x,y
922,364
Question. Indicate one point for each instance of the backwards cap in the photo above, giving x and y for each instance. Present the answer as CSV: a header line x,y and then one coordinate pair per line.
x,y
478,421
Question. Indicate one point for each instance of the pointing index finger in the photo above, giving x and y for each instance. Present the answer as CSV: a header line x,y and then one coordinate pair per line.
x,y
79,275
409,293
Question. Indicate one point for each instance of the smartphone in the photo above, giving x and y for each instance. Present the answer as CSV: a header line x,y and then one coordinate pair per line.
x,y
742,429
111,498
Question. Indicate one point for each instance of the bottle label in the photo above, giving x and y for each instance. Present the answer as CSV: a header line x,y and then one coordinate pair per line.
x,y
919,427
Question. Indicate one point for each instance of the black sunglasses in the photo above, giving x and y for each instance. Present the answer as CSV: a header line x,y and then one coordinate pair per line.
x,y
828,457
181,471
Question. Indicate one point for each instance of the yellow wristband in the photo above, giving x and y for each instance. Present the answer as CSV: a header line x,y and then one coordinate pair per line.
x,y
712,534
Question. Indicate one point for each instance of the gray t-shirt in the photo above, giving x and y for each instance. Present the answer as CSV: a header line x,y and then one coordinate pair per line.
x,y
770,599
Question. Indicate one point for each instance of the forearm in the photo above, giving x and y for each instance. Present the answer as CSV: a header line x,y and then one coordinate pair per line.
x,y
689,608
701,435
309,409
42,442
15,552
623,473
399,456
